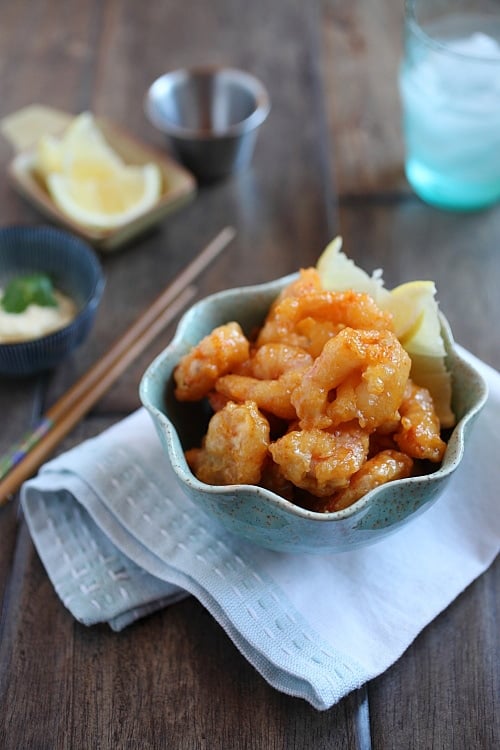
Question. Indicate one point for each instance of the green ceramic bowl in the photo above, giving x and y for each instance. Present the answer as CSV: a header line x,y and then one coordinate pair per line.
x,y
259,515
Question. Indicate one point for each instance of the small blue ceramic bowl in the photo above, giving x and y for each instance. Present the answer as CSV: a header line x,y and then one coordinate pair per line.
x,y
74,269
259,515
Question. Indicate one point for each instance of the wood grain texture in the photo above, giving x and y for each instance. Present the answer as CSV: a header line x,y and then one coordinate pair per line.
x,y
176,695
448,682
362,44
409,240
441,693
175,679
277,231
109,697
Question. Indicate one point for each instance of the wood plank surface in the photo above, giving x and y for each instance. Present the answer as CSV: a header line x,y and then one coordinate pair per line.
x,y
362,44
100,694
328,160
409,240
443,692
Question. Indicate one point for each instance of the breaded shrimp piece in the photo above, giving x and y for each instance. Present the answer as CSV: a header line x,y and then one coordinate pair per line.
x,y
307,281
274,328
196,373
418,433
339,309
270,361
271,396
273,479
216,400
375,367
234,448
348,308
385,467
319,461
312,335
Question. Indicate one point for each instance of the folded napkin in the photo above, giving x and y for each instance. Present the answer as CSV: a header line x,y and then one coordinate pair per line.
x,y
119,539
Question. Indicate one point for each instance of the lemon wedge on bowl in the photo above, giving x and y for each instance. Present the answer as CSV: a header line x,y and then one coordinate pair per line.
x,y
415,313
338,273
89,181
431,373
418,326
417,322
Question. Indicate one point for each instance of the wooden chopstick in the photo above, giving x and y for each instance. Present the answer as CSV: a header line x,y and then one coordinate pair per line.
x,y
24,458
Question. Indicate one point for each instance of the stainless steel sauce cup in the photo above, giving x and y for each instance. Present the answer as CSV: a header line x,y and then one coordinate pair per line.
x,y
210,115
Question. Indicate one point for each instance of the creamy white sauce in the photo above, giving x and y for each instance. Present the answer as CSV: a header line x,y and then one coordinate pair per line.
x,y
36,321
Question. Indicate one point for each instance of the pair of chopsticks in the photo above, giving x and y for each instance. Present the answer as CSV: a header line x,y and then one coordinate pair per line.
x,y
24,458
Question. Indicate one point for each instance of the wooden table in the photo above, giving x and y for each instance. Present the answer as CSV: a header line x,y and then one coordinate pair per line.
x,y
328,160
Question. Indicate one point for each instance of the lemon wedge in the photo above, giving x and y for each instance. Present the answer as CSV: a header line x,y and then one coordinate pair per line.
x,y
423,340
420,332
417,324
89,181
81,151
338,273
416,316
85,153
48,155
431,373
119,196
83,131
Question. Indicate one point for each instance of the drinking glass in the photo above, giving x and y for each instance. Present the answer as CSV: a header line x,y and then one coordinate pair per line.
x,y
450,92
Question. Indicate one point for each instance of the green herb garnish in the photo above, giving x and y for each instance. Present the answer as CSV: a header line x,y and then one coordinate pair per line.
x,y
32,289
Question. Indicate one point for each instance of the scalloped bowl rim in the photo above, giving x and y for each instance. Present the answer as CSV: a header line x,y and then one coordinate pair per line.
x,y
184,474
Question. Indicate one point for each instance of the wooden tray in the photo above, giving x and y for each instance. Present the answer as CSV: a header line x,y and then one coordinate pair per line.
x,y
23,128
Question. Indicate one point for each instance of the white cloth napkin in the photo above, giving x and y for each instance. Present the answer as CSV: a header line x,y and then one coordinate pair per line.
x,y
119,539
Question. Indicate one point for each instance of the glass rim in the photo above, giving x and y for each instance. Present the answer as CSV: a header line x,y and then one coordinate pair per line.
x,y
418,30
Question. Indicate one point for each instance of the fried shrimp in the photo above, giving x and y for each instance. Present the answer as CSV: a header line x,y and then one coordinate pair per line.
x,y
273,479
312,335
196,374
338,309
418,433
375,368
386,466
319,461
273,396
349,308
234,448
307,281
277,329
270,361
316,406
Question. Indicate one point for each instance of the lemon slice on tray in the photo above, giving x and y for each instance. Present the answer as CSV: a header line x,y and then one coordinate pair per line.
x,y
415,312
81,151
48,155
89,181
118,198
